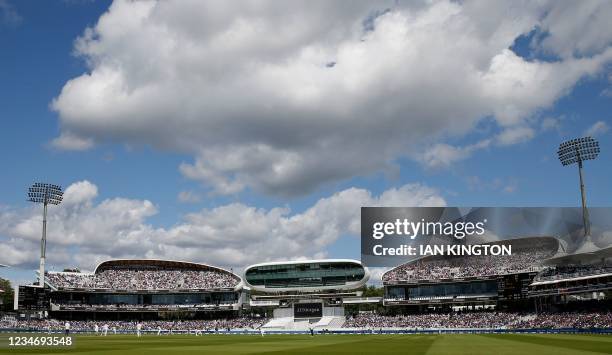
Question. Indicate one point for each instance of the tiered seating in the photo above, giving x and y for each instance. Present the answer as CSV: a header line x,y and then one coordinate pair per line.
x,y
128,279
498,320
469,266
278,323
330,323
300,324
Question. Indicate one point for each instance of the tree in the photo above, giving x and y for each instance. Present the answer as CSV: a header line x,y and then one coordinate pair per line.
x,y
373,291
368,291
7,295
76,269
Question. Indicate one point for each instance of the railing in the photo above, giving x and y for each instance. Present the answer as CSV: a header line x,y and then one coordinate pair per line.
x,y
563,276
139,308
265,303
341,331
454,278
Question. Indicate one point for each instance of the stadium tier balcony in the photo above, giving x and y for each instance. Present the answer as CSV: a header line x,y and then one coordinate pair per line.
x,y
140,307
146,275
524,258
566,272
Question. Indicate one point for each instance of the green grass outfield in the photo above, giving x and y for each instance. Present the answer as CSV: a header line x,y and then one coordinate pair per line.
x,y
539,344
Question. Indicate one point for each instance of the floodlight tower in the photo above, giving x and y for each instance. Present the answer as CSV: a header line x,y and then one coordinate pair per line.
x,y
577,151
46,194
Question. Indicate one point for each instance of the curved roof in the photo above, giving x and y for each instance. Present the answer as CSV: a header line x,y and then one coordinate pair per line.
x,y
604,252
169,264
591,254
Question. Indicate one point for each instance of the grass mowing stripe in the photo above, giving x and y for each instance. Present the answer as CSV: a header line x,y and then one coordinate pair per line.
x,y
331,344
370,344
551,340
360,344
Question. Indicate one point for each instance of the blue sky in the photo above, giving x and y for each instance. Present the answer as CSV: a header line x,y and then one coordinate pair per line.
x,y
40,55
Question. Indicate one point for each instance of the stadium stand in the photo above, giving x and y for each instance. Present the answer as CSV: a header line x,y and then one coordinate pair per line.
x,y
458,320
184,325
456,292
126,279
561,272
126,288
523,259
498,320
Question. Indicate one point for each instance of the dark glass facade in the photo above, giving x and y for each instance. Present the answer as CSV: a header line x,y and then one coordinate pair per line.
x,y
145,299
305,275
475,288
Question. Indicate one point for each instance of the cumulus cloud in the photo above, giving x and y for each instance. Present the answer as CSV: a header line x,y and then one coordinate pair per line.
x,y
82,192
598,128
515,135
565,32
69,141
444,155
83,232
284,97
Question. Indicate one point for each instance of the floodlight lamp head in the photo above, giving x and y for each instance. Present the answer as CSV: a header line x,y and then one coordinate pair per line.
x,y
578,150
45,193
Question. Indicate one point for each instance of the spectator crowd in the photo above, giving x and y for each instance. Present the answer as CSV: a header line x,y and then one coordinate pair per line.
x,y
490,320
128,279
457,320
468,266
239,323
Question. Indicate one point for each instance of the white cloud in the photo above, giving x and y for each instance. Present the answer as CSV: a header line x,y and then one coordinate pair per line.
x,y
16,252
506,185
597,129
515,135
189,197
568,35
248,90
82,192
376,274
442,155
83,233
69,141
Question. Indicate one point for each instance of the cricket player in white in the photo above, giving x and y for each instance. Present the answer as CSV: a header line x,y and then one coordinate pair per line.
x,y
105,329
158,330
138,328
67,328
96,329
